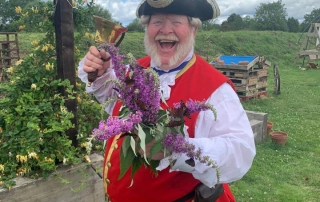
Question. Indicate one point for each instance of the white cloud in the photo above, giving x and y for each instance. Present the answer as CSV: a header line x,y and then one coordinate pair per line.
x,y
124,11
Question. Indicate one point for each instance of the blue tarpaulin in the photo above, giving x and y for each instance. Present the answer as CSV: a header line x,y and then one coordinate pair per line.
x,y
228,60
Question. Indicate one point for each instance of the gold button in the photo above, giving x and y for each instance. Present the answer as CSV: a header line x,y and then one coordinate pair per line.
x,y
109,165
107,181
116,146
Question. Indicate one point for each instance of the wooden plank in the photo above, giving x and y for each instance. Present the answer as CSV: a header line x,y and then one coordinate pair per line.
x,y
252,93
7,42
9,57
232,66
249,97
248,81
251,87
63,21
263,72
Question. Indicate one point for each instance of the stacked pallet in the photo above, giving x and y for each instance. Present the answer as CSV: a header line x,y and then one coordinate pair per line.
x,y
9,51
249,74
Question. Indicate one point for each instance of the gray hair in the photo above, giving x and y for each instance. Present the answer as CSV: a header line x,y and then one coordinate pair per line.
x,y
194,22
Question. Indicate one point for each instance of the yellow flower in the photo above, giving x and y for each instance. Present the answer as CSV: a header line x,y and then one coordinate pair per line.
x,y
35,43
46,159
40,139
83,145
50,46
74,4
35,10
49,66
91,36
1,130
76,49
26,14
22,171
44,48
21,27
10,70
65,160
33,86
78,99
19,62
86,34
33,155
18,9
87,159
1,168
63,109
21,159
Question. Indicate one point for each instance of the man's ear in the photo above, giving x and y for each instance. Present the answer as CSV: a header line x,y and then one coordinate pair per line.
x,y
195,31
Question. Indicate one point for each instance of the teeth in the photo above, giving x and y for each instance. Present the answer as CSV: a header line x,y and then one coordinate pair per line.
x,y
167,41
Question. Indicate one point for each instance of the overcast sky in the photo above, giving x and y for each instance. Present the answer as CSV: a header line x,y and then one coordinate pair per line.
x,y
124,11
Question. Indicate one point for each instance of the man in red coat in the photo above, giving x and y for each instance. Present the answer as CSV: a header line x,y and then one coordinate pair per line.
x,y
171,27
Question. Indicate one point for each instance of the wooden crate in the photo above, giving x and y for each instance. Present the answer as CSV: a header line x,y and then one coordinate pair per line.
x,y
250,77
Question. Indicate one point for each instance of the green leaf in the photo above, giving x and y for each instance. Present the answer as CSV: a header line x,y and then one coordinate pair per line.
x,y
133,145
157,147
125,162
124,112
136,164
154,164
142,136
125,145
149,137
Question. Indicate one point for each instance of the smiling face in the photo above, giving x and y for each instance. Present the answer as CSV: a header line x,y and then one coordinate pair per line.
x,y
168,40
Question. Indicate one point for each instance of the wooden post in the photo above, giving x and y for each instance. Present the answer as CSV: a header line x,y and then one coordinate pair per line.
x,y
63,21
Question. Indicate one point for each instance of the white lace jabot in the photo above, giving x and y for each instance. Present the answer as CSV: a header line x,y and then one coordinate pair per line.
x,y
168,79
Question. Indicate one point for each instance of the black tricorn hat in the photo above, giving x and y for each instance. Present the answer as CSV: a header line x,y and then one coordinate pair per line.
x,y
202,9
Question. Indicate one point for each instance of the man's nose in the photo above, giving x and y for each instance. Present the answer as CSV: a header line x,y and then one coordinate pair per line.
x,y
166,27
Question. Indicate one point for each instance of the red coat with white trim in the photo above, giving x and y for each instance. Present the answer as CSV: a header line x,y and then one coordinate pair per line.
x,y
197,82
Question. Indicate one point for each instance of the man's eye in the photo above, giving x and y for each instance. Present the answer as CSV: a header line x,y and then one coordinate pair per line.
x,y
157,22
176,23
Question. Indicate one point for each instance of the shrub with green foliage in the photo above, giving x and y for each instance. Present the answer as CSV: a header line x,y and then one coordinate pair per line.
x,y
33,115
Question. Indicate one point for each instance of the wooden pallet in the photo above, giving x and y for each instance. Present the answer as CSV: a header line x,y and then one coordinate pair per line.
x,y
9,51
251,92
251,88
249,97
248,81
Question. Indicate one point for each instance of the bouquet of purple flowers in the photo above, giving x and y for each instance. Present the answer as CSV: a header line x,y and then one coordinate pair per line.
x,y
142,120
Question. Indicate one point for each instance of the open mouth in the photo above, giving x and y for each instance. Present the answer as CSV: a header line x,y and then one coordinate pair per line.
x,y
167,44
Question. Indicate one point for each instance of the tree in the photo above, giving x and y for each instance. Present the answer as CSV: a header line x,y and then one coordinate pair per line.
x,y
249,23
82,16
293,24
225,26
313,17
271,16
209,25
135,26
235,21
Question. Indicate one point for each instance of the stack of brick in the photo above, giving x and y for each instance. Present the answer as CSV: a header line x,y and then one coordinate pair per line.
x,y
249,74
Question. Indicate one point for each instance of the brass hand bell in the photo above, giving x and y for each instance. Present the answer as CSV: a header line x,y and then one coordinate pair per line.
x,y
106,32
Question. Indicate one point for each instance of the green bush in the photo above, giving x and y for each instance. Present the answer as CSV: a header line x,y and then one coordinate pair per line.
x,y
33,115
